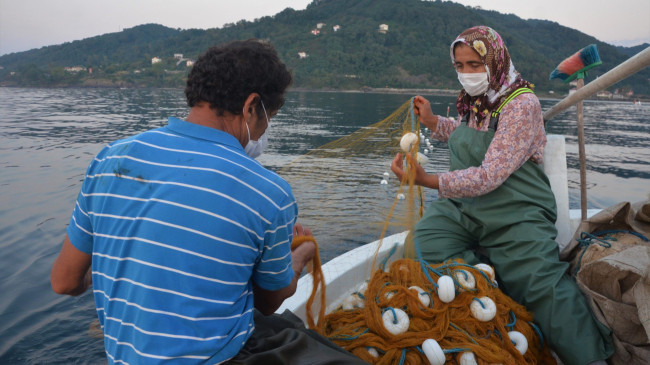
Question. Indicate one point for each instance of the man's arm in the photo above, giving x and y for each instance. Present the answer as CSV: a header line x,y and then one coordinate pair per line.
x,y
71,273
268,301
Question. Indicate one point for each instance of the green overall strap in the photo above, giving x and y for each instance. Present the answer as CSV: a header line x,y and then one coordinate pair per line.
x,y
494,117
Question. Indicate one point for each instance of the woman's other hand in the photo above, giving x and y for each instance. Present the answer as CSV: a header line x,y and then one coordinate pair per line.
x,y
422,108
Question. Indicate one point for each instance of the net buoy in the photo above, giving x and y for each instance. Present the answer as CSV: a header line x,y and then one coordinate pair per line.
x,y
353,301
446,289
421,158
407,141
426,151
396,321
433,352
386,175
372,351
465,279
520,341
400,196
483,309
467,358
424,297
486,269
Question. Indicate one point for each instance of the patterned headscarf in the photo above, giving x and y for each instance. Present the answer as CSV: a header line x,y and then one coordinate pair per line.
x,y
503,77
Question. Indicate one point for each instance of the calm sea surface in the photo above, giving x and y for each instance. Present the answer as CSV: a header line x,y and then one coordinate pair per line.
x,y
48,137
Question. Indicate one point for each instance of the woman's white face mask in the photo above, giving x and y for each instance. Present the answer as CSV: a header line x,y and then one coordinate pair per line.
x,y
474,83
254,149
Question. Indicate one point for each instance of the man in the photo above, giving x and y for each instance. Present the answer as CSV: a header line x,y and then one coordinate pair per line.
x,y
185,231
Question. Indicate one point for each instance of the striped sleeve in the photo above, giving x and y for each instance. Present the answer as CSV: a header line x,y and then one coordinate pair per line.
x,y
274,271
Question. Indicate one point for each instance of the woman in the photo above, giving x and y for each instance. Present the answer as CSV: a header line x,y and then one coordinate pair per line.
x,y
496,196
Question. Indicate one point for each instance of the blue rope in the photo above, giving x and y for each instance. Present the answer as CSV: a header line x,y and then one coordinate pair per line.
x,y
539,333
383,262
603,233
479,302
514,320
403,357
392,310
463,332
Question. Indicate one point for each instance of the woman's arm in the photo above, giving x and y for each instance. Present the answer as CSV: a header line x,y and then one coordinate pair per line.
x,y
519,137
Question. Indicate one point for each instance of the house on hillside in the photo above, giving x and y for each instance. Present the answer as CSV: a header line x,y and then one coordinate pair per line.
x,y
336,28
383,28
302,55
155,60
189,63
74,69
320,25
315,31
178,56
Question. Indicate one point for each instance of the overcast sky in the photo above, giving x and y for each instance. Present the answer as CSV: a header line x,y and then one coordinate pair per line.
x,y
27,24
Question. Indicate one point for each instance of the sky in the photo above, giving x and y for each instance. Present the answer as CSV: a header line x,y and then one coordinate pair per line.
x,y
28,24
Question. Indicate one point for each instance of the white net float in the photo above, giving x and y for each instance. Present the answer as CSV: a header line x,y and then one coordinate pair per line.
x,y
520,341
396,321
484,309
446,289
407,141
433,352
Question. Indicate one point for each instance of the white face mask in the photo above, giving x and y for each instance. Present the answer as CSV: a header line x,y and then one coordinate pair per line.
x,y
255,148
474,83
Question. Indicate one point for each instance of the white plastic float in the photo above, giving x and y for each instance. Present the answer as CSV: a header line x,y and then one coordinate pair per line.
x,y
407,141
465,279
424,297
467,358
396,321
433,352
446,289
483,309
520,341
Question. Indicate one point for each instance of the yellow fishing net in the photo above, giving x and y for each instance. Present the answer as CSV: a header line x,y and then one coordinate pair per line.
x,y
408,312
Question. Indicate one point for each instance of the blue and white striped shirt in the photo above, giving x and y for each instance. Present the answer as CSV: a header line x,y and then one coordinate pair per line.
x,y
180,222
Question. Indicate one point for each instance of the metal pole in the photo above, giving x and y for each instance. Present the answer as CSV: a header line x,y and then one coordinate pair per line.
x,y
581,152
633,65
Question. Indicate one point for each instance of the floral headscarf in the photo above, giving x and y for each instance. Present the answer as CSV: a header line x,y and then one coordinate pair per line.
x,y
503,77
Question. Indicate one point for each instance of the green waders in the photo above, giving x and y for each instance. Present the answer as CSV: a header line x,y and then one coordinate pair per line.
x,y
514,226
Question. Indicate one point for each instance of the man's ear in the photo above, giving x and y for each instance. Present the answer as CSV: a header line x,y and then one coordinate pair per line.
x,y
249,104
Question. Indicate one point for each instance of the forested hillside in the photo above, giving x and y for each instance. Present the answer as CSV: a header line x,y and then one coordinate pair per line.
x,y
412,53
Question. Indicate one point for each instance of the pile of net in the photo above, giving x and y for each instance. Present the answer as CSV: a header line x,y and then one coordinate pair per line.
x,y
414,313
409,312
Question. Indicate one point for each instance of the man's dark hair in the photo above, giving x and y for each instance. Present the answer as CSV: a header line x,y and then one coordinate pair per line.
x,y
224,76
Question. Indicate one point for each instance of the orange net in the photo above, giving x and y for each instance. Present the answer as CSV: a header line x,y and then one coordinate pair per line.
x,y
397,316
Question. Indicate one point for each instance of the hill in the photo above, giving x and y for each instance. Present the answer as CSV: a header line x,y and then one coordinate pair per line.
x,y
412,53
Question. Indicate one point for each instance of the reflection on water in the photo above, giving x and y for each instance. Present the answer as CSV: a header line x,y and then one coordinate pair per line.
x,y
48,137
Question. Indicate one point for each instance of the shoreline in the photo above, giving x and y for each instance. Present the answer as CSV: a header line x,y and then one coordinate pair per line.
x,y
362,90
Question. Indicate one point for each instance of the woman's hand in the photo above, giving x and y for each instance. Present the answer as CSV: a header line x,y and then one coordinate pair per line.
x,y
421,177
422,108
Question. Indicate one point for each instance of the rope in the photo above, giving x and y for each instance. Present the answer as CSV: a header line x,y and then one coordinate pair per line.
x,y
601,238
318,280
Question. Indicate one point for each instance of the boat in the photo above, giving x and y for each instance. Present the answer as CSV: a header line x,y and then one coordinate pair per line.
x,y
346,273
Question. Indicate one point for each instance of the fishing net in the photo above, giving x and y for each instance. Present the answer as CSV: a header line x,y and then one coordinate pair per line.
x,y
408,312
323,178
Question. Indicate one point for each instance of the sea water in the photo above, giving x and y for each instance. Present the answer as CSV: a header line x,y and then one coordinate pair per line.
x,y
48,137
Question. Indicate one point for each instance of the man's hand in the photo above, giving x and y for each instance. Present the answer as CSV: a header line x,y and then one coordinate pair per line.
x,y
267,301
